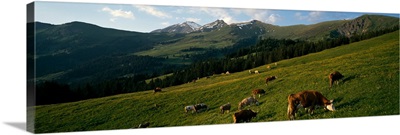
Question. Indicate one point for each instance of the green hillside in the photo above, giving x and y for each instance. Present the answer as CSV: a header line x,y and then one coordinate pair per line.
x,y
370,88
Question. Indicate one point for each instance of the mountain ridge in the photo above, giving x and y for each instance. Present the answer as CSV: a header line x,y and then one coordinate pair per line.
x,y
64,47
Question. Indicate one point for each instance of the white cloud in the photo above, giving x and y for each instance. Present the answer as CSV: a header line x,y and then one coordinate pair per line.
x,y
260,15
197,20
165,23
119,13
152,11
273,18
312,16
218,13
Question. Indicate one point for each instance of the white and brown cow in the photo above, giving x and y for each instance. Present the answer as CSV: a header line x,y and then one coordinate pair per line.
x,y
243,116
258,92
307,99
225,107
189,108
157,89
334,77
247,101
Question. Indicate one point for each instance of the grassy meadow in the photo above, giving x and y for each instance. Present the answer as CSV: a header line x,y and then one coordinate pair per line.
x,y
370,88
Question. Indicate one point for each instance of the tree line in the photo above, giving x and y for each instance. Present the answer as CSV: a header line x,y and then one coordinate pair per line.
x,y
264,51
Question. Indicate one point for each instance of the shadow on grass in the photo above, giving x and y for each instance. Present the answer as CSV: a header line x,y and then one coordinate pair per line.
x,y
349,103
266,116
351,77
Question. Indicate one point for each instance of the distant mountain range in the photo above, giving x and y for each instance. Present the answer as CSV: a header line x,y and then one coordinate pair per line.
x,y
185,27
189,26
63,50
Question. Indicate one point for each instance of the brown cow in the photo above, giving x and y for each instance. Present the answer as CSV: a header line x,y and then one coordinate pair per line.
x,y
243,116
144,125
247,101
334,77
225,107
158,89
258,91
269,79
307,99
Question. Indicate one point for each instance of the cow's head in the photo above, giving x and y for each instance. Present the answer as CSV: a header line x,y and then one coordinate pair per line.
x,y
330,106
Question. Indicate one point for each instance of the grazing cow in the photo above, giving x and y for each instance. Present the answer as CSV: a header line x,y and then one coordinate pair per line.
x,y
258,92
144,125
227,72
247,101
189,108
200,107
269,79
256,72
335,76
307,99
158,89
250,72
225,107
243,116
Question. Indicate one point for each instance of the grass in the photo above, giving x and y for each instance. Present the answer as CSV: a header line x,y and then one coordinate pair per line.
x,y
370,88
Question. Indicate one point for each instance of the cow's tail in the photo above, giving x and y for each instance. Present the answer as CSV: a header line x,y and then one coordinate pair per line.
x,y
291,108
234,118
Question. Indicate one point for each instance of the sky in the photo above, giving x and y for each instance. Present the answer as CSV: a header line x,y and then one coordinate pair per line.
x,y
146,18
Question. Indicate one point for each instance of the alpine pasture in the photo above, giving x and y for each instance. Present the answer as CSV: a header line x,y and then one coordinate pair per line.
x,y
370,87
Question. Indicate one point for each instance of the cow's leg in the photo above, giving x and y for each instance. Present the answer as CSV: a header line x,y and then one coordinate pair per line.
x,y
311,111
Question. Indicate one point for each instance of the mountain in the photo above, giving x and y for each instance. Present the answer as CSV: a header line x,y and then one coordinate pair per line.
x,y
367,23
185,27
216,25
79,51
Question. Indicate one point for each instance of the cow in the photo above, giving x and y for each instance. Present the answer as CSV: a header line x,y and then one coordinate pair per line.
x,y
307,99
200,107
189,108
258,92
243,116
255,72
227,72
225,107
270,78
334,77
144,125
247,101
157,89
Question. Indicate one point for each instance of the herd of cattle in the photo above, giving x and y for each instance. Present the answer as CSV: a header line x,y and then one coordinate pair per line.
x,y
308,99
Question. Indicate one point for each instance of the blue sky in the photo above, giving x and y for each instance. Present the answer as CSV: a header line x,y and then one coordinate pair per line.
x,y
145,18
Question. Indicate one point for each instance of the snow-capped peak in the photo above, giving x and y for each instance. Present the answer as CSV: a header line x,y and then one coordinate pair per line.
x,y
185,27
213,25
192,25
